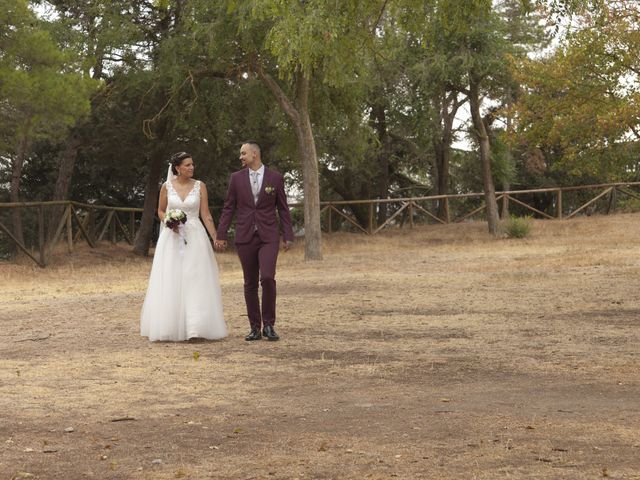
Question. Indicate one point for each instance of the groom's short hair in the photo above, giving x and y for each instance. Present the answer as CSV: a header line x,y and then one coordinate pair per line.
x,y
255,145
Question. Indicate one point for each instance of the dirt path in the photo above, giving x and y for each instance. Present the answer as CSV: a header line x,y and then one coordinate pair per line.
x,y
436,354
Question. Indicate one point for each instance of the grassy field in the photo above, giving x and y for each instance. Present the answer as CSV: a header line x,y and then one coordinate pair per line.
x,y
437,353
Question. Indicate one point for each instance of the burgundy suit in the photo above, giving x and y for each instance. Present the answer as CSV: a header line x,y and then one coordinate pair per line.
x,y
257,238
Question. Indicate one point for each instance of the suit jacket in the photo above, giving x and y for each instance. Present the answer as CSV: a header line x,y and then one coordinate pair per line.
x,y
250,215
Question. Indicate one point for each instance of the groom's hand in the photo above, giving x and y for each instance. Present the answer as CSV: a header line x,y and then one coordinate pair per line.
x,y
287,245
220,245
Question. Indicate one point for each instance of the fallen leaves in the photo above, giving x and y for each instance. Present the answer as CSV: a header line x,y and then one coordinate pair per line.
x,y
19,475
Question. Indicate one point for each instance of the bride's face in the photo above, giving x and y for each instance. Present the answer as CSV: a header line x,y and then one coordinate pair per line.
x,y
185,169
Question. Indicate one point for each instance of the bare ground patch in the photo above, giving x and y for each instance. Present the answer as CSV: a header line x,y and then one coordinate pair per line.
x,y
439,353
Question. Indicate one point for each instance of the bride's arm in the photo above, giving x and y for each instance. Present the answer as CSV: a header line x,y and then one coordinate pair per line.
x,y
205,214
162,202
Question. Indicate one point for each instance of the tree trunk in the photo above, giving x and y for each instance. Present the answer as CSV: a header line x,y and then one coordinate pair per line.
x,y
299,115
442,149
169,23
14,188
506,186
447,105
378,121
311,187
485,157
142,241
63,182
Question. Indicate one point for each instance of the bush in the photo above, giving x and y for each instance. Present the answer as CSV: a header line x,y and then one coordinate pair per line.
x,y
518,227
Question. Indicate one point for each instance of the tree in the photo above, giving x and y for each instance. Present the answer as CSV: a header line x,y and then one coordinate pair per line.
x,y
582,103
525,34
297,45
42,89
102,31
472,26
441,81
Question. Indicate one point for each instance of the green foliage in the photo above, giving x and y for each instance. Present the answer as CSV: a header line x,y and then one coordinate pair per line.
x,y
582,104
502,164
167,75
518,227
321,36
42,89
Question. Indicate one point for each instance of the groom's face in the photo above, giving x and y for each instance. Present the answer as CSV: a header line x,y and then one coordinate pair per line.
x,y
248,155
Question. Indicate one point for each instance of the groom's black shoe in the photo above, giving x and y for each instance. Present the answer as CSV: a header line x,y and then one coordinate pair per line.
x,y
254,335
269,333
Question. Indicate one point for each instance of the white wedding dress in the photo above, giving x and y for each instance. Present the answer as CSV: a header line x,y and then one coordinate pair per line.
x,y
183,299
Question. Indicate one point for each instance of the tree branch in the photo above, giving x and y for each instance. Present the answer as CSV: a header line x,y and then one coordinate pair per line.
x,y
375,25
280,95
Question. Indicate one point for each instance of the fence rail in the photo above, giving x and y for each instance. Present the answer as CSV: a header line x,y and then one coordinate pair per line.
x,y
91,223
97,223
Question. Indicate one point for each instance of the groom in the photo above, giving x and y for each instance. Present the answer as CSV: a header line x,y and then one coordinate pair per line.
x,y
256,193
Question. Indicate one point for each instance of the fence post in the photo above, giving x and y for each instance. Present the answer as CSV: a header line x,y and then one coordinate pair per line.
x,y
410,214
559,206
132,225
91,225
69,228
613,199
113,228
41,235
505,206
447,217
329,218
371,218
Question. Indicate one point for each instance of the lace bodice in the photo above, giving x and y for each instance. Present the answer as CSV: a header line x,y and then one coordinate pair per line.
x,y
190,205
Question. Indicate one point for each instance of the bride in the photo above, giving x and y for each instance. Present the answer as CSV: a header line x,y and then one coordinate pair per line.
x,y
183,299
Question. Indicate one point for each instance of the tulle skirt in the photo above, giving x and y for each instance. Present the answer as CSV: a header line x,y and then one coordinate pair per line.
x,y
183,298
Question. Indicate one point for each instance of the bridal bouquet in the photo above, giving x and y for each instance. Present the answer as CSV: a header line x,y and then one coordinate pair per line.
x,y
175,219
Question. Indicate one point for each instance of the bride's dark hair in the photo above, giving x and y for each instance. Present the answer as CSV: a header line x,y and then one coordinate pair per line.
x,y
176,159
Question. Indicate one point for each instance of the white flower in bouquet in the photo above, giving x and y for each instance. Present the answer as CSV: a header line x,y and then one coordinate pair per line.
x,y
174,219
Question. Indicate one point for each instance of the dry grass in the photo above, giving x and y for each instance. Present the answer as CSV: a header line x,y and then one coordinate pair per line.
x,y
437,353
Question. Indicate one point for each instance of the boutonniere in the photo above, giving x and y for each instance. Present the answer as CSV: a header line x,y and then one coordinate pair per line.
x,y
269,190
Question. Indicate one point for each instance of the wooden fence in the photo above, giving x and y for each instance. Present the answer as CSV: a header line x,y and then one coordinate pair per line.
x,y
428,205
92,223
97,223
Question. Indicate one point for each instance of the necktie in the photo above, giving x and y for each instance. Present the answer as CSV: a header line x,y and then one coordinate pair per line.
x,y
255,186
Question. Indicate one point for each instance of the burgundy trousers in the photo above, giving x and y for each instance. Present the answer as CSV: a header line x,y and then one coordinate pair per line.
x,y
258,261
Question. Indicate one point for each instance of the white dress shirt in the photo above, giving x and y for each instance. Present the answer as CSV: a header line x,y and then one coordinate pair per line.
x,y
260,173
